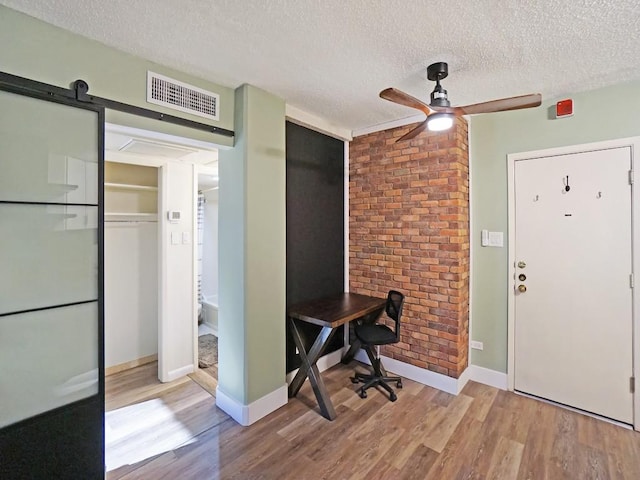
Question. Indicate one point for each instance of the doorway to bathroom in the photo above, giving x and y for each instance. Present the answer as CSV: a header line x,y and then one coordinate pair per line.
x,y
206,249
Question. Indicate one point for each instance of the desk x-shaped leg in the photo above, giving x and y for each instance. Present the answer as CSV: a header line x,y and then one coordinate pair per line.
x,y
310,369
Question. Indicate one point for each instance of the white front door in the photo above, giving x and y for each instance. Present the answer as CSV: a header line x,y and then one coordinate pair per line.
x,y
573,254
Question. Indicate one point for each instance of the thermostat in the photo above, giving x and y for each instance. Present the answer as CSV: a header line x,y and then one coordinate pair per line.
x,y
173,216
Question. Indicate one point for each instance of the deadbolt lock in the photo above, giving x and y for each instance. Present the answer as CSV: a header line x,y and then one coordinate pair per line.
x,y
522,288
522,277
521,264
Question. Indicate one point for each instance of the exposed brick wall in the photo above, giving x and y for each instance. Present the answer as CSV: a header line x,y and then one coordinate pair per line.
x,y
409,231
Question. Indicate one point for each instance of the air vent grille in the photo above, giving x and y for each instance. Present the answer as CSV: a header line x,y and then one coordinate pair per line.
x,y
180,96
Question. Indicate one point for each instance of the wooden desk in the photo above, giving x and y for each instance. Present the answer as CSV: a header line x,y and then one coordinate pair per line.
x,y
329,313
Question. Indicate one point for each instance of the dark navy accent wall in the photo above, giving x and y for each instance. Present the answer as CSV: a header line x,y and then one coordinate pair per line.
x,y
315,223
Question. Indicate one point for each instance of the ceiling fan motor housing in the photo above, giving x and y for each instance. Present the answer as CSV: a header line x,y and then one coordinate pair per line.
x,y
436,72
439,97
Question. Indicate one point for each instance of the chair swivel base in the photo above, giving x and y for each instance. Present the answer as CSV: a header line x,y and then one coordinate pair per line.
x,y
372,380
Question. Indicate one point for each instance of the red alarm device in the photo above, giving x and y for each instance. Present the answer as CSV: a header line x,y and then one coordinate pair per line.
x,y
564,108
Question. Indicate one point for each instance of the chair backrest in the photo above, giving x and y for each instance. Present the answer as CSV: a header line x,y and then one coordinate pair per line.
x,y
395,301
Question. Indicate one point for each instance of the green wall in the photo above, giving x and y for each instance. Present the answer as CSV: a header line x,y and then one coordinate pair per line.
x,y
39,51
602,114
252,236
252,185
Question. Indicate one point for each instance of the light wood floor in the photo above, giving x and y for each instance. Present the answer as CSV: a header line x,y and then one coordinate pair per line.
x,y
207,378
483,433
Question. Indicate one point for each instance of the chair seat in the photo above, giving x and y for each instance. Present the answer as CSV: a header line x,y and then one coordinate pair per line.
x,y
375,334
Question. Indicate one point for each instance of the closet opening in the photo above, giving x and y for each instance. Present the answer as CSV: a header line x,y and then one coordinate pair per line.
x,y
161,280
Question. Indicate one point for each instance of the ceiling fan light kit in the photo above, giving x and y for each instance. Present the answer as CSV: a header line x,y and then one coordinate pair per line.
x,y
440,113
439,122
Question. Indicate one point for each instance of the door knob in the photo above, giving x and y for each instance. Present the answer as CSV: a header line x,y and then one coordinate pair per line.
x,y
522,288
521,264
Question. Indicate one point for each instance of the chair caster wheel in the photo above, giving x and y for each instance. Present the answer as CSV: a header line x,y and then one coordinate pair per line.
x,y
363,394
393,397
354,380
399,384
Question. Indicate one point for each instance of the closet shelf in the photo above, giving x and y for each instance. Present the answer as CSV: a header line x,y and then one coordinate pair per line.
x,y
126,186
130,217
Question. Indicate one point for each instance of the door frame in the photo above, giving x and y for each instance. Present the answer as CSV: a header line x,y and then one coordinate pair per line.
x,y
165,345
634,144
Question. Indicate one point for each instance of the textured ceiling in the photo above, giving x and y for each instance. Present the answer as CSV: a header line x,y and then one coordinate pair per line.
x,y
331,58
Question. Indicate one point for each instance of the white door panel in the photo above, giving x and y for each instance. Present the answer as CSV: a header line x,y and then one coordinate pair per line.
x,y
573,325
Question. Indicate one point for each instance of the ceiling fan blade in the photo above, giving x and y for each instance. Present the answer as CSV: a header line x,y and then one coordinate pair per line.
x,y
502,105
397,96
413,133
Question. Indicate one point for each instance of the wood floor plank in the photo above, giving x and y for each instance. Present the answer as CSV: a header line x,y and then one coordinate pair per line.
x,y
426,434
564,461
505,461
483,398
439,435
419,464
593,464
204,378
461,450
620,445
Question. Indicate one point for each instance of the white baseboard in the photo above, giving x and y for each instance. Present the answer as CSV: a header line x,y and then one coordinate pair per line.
x,y
488,377
178,373
245,415
463,379
437,380
324,363
131,364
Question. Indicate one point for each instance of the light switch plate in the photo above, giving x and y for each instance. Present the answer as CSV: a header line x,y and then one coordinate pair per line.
x,y
186,238
175,238
496,239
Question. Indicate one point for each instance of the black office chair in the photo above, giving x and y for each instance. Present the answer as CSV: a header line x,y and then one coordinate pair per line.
x,y
373,334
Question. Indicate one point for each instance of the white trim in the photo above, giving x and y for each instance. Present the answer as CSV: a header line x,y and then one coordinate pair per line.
x,y
486,376
163,306
464,378
305,119
324,363
417,374
194,262
511,239
163,137
436,380
421,375
471,248
388,125
634,144
179,373
345,335
246,415
346,218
